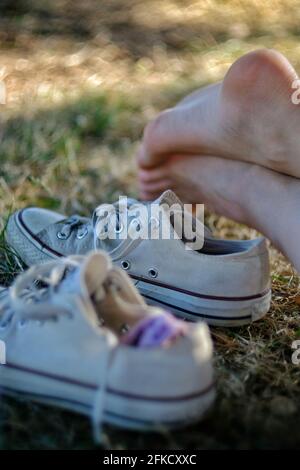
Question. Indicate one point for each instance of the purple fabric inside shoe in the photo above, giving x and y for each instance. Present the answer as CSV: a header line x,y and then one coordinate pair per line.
x,y
155,331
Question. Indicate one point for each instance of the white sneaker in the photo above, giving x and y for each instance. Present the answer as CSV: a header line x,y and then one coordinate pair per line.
x,y
65,326
224,282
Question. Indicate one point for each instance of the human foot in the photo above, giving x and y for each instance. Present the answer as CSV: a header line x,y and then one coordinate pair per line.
x,y
249,116
212,181
246,193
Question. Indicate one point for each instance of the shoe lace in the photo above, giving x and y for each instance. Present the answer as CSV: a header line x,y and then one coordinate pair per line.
x,y
72,223
98,409
107,218
28,297
108,222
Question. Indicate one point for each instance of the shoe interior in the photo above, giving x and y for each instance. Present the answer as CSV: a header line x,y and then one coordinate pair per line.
x,y
123,311
213,246
116,312
118,304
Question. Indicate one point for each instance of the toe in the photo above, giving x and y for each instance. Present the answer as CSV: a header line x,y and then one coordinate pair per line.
x,y
153,175
157,186
152,190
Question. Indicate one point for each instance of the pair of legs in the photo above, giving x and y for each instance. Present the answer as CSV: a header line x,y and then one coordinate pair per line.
x,y
234,146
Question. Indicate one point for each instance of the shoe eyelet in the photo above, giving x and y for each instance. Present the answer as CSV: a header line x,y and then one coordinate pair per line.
x,y
124,328
125,265
153,272
21,324
154,222
82,234
61,236
120,228
136,223
6,324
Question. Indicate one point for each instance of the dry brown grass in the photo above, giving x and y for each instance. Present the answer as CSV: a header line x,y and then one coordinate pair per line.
x,y
82,80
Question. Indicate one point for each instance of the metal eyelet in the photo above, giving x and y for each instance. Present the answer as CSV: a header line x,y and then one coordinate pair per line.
x,y
4,325
22,323
136,223
124,329
154,222
153,272
62,235
120,229
125,265
82,234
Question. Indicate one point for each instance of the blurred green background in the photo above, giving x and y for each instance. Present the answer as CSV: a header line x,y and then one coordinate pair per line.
x,y
82,79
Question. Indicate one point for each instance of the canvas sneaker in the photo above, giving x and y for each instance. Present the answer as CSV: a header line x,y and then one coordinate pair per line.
x,y
78,335
224,282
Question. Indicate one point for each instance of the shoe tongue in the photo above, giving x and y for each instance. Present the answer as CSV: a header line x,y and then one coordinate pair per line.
x,y
170,198
87,279
89,275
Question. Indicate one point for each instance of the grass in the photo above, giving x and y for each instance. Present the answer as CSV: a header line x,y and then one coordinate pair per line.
x,y
77,101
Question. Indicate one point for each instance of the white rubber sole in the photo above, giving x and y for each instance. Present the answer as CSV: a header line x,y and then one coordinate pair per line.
x,y
123,411
212,311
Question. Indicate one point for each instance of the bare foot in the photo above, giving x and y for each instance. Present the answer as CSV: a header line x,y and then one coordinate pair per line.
x,y
247,193
206,181
249,116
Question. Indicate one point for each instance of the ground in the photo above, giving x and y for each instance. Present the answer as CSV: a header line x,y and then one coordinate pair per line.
x,y
82,79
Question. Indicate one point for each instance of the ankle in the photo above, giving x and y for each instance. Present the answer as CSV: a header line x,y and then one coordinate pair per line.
x,y
270,207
